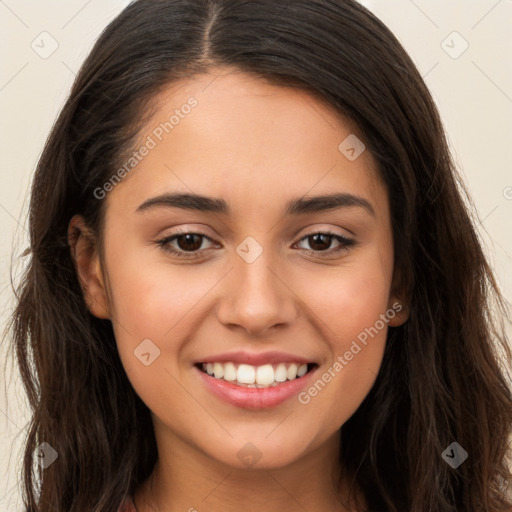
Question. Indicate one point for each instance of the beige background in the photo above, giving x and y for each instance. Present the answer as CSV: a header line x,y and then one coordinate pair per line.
x,y
473,89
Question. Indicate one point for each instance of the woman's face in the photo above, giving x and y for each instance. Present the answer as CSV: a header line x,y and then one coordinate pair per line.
x,y
263,174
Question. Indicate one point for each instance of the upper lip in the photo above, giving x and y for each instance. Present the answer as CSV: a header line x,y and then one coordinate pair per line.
x,y
255,359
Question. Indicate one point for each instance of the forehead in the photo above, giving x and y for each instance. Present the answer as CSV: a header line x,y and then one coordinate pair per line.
x,y
230,134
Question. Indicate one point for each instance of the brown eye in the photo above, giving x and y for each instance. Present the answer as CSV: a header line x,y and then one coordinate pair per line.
x,y
189,242
184,244
320,242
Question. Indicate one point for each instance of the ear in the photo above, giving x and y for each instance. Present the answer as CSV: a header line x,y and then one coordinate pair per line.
x,y
84,252
398,305
398,312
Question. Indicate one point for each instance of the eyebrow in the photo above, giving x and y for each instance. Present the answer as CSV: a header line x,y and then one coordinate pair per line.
x,y
298,206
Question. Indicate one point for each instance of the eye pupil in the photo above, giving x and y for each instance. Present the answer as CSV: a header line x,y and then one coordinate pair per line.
x,y
189,245
321,246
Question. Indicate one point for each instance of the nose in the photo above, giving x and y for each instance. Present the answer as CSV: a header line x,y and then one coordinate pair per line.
x,y
256,297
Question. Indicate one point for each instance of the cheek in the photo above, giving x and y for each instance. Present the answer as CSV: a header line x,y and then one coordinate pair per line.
x,y
156,315
153,301
349,300
347,307
150,298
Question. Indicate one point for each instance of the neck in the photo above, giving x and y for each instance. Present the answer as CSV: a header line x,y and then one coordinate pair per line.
x,y
185,479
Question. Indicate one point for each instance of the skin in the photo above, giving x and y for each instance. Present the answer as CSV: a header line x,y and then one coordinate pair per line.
x,y
257,146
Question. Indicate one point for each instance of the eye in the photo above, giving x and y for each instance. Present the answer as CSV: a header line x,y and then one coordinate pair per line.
x,y
186,242
320,242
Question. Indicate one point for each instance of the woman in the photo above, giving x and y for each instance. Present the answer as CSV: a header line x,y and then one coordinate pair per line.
x,y
254,280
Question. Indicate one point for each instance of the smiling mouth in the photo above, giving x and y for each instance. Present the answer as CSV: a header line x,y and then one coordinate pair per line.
x,y
264,376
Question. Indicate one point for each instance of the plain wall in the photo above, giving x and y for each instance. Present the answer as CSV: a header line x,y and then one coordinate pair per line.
x,y
472,88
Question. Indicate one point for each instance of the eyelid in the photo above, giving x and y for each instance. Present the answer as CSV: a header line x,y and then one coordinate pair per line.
x,y
315,228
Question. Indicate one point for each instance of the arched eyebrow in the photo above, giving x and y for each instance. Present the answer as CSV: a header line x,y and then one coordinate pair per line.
x,y
294,207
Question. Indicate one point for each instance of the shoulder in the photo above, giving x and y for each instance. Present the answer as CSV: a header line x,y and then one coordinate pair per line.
x,y
127,505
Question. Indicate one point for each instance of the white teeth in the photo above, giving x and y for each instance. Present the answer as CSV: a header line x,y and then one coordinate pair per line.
x,y
281,373
218,370
250,376
229,372
264,374
303,368
246,374
292,371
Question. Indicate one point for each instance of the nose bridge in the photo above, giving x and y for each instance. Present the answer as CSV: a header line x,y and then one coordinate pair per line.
x,y
258,278
257,297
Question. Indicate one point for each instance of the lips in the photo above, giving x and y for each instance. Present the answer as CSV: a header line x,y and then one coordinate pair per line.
x,y
256,359
255,381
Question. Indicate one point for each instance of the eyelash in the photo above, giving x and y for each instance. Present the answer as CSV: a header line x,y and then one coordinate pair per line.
x,y
345,242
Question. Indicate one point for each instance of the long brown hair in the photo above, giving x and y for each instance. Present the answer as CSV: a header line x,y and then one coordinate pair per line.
x,y
443,376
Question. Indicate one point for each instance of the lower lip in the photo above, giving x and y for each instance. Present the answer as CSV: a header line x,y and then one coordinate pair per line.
x,y
255,398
